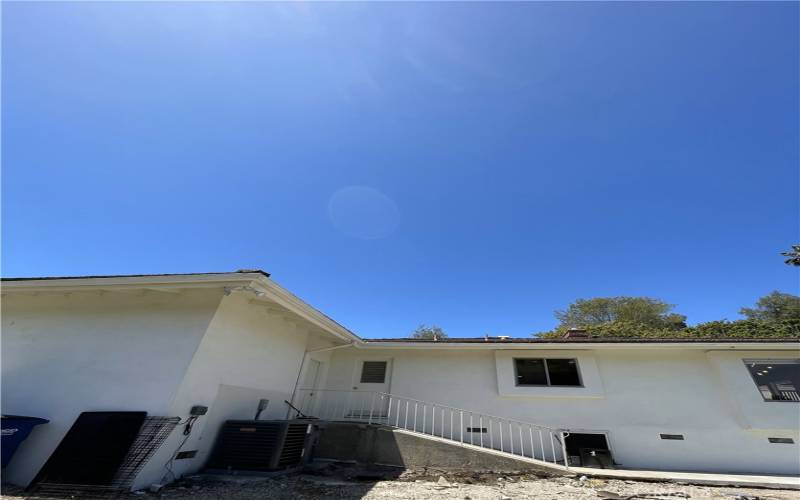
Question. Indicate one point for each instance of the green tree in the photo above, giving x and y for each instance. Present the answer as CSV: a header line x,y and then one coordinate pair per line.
x,y
793,256
774,307
743,328
643,311
429,332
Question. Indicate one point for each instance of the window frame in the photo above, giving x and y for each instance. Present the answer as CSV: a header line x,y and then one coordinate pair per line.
x,y
763,361
547,373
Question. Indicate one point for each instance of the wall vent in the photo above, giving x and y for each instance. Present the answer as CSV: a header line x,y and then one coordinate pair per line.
x,y
781,440
479,430
672,437
373,372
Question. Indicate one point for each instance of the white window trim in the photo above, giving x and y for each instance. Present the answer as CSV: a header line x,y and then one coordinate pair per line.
x,y
737,389
769,361
588,372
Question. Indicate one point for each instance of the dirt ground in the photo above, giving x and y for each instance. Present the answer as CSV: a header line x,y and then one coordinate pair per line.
x,y
343,483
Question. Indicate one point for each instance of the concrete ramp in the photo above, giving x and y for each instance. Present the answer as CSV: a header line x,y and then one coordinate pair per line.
x,y
383,445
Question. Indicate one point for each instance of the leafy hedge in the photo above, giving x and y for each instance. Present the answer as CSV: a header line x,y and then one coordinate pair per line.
x,y
745,328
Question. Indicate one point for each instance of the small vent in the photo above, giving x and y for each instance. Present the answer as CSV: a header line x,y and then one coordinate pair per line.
x,y
673,437
781,440
183,455
480,430
373,372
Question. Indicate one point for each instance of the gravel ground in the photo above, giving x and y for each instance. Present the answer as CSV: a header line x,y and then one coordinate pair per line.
x,y
382,485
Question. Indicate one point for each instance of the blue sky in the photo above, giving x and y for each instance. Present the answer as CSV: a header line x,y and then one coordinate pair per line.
x,y
475,165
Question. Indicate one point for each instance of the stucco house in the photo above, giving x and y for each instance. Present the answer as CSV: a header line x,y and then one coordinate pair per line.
x,y
165,344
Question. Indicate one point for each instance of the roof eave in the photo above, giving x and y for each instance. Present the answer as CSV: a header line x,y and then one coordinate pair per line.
x,y
257,280
779,344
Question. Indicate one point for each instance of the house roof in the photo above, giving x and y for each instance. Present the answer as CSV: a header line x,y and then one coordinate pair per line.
x,y
584,340
260,282
101,276
253,280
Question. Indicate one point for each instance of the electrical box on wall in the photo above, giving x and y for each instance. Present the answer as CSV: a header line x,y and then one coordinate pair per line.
x,y
198,410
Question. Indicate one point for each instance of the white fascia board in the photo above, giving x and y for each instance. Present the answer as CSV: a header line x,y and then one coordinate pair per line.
x,y
705,346
154,281
284,298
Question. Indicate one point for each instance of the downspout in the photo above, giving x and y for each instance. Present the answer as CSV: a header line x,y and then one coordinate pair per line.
x,y
303,363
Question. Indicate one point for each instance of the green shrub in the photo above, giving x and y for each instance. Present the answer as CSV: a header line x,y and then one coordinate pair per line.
x,y
745,328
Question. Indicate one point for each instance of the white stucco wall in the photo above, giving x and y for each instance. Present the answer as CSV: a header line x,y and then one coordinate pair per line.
x,y
633,395
66,353
248,353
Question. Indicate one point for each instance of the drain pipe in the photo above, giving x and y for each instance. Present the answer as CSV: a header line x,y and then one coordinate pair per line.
x,y
302,365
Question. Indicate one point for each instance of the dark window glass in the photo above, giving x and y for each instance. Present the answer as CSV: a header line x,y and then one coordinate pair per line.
x,y
557,372
563,372
373,372
777,379
530,372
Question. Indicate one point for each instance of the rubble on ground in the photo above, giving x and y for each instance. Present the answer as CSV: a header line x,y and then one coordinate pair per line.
x,y
347,481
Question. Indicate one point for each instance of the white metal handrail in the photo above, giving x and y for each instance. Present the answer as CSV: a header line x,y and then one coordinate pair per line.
x,y
502,434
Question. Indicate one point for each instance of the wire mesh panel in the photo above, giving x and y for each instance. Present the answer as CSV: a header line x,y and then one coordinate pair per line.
x,y
151,434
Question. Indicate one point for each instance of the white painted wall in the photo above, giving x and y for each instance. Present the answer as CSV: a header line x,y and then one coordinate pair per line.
x,y
633,395
63,354
247,354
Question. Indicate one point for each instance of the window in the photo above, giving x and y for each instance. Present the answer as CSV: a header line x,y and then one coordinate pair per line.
x,y
549,372
776,379
373,372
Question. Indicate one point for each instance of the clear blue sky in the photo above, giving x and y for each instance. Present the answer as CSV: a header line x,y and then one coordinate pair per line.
x,y
474,166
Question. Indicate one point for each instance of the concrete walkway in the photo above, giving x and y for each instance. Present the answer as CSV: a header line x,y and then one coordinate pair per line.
x,y
742,480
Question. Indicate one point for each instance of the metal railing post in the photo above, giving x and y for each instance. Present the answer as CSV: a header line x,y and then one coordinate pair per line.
x,y
397,417
511,437
541,444
500,425
564,448
451,425
530,433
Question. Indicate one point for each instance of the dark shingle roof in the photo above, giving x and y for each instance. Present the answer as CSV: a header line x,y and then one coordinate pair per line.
x,y
43,278
586,340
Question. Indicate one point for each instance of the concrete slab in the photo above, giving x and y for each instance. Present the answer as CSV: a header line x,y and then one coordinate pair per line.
x,y
700,478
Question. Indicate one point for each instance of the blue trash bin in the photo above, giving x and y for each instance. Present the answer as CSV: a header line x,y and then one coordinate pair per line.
x,y
15,429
